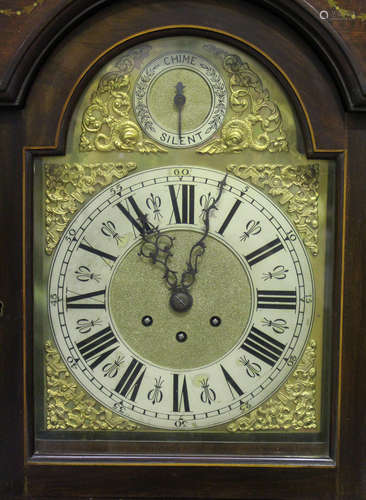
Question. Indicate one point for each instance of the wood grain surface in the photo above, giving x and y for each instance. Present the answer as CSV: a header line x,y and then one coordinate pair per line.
x,y
50,49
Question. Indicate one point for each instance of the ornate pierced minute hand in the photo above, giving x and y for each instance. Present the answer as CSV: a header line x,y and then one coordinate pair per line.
x,y
199,248
157,247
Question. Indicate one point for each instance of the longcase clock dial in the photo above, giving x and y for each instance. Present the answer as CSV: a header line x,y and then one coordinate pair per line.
x,y
181,298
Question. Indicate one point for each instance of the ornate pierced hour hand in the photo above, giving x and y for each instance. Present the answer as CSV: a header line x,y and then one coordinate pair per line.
x,y
157,247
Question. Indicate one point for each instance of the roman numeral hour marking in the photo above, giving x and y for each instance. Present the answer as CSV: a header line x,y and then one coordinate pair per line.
x,y
75,301
135,221
183,211
276,299
263,346
97,346
263,252
131,380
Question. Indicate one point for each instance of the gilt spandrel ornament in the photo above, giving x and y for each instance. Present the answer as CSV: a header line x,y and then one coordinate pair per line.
x,y
257,122
107,123
295,188
292,408
69,185
70,407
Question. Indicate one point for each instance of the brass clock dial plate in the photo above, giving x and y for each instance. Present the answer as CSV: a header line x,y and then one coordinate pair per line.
x,y
217,354
182,371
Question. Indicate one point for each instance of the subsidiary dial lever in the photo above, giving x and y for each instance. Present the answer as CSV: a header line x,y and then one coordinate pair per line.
x,y
179,101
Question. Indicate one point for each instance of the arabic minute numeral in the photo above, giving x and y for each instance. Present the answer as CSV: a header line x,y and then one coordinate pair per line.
x,y
71,235
180,423
119,407
245,406
73,362
116,190
181,171
308,299
291,236
54,299
291,360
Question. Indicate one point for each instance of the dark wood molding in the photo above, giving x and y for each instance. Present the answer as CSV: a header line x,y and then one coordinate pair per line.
x,y
270,35
318,136
42,76
338,58
28,58
336,55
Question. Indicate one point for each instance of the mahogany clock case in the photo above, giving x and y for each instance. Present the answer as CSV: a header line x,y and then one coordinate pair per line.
x,y
304,65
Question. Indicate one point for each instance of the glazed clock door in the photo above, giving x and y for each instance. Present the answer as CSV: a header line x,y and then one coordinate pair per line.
x,y
189,255
181,282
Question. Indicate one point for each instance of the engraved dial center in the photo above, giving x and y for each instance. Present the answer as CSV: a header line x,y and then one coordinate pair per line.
x,y
135,294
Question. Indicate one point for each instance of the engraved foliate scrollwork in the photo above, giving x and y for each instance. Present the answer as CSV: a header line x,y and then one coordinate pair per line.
x,y
257,121
292,407
69,407
295,188
107,124
69,185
